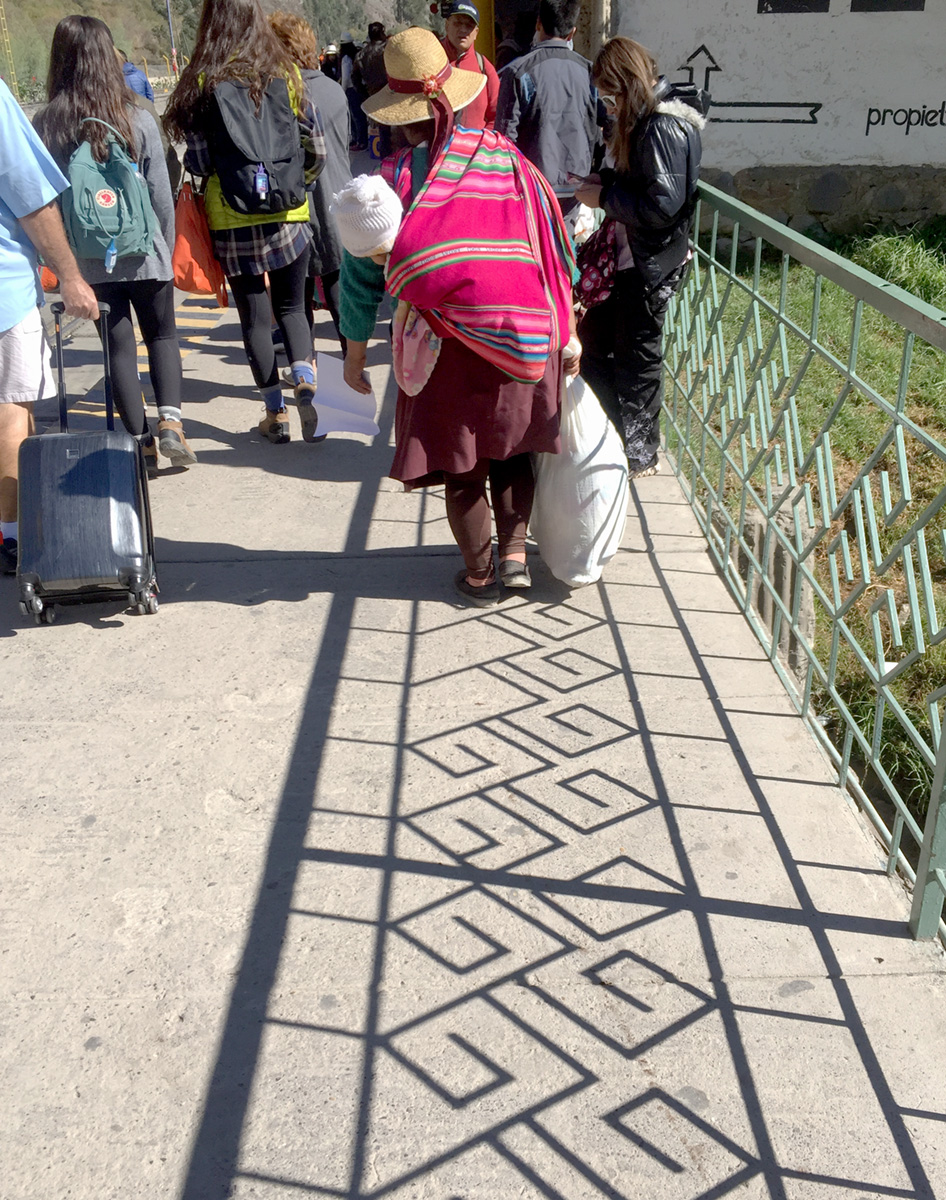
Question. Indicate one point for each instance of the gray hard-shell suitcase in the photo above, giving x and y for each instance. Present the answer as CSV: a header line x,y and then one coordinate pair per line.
x,y
84,519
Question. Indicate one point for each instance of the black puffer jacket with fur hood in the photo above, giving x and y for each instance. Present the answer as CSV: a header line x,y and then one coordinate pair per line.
x,y
654,198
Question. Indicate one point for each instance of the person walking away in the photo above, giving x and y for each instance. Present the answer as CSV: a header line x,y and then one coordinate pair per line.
x,y
90,105
368,76
656,147
368,70
241,80
459,40
478,339
359,122
136,79
513,47
30,222
548,105
329,65
327,96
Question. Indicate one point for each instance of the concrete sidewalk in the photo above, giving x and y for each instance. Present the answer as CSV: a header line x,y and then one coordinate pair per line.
x,y
318,885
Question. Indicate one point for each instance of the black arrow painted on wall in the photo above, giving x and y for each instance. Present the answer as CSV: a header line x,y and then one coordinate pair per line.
x,y
744,112
760,112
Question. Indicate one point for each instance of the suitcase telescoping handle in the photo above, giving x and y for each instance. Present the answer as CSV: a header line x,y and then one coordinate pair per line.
x,y
57,310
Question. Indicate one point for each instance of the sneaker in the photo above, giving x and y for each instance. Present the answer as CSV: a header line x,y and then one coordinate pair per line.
x,y
309,418
8,556
173,444
274,426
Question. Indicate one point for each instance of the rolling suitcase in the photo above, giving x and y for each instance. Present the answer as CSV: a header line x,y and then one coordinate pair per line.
x,y
84,519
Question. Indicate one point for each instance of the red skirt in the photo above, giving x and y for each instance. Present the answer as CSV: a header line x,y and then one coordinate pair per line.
x,y
471,410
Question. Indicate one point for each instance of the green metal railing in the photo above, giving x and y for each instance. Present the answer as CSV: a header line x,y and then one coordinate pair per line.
x,y
805,416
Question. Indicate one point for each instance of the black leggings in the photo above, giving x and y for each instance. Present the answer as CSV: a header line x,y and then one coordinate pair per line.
x,y
153,302
330,288
621,361
287,288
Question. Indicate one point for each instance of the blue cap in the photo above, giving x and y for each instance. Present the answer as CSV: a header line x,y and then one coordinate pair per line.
x,y
458,8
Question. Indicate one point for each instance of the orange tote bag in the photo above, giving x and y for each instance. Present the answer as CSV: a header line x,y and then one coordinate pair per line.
x,y
195,268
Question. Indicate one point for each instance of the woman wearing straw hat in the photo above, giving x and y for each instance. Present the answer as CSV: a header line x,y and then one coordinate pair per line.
x,y
481,267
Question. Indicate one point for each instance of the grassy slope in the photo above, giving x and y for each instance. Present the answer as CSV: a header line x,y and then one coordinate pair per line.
x,y
916,262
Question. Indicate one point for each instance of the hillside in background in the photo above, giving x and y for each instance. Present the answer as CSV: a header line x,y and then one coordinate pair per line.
x,y
140,28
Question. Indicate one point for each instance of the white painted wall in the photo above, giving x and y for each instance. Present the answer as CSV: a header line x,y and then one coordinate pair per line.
x,y
854,64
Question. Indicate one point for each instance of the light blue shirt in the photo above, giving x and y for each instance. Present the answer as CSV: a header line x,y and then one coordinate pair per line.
x,y
29,179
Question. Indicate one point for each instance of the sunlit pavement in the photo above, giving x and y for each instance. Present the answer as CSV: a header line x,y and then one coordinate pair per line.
x,y
317,884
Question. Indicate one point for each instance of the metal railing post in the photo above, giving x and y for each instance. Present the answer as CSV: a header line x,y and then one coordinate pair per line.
x,y
930,891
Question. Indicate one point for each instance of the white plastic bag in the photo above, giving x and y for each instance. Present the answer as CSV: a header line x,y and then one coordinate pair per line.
x,y
581,495
586,223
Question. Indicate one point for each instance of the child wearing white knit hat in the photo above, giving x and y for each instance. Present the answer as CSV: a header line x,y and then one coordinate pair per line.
x,y
368,213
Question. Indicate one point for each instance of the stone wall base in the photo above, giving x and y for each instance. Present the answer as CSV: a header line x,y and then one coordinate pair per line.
x,y
838,199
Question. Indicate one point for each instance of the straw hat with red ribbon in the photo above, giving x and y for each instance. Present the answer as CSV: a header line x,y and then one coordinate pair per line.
x,y
419,73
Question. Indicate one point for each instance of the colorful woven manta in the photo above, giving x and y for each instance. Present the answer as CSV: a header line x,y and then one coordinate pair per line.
x,y
483,252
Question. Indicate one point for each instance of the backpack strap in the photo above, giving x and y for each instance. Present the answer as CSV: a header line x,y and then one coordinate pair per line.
x,y
97,121
479,60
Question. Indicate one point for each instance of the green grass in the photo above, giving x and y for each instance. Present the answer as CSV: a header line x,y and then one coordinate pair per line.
x,y
916,262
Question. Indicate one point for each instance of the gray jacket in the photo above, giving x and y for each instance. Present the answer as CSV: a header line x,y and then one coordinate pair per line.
x,y
332,104
548,106
153,167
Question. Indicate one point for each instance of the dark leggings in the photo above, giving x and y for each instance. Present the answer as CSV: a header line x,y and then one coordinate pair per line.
x,y
330,288
153,302
621,361
511,489
359,122
287,288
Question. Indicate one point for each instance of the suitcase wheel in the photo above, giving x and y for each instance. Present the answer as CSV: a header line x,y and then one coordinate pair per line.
x,y
46,616
147,607
32,605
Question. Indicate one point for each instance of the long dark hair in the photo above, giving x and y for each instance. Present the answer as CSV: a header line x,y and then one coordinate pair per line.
x,y
85,80
626,70
234,42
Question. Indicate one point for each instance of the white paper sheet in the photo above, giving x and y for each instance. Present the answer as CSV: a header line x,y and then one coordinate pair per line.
x,y
341,409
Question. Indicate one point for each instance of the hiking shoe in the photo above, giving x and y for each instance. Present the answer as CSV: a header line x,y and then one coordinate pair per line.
x,y
274,426
173,444
149,448
8,556
308,417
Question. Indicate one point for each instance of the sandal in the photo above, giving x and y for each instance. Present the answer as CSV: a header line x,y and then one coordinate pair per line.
x,y
481,597
652,468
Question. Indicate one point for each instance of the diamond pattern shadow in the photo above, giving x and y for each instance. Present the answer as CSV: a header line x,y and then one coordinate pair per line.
x,y
546,998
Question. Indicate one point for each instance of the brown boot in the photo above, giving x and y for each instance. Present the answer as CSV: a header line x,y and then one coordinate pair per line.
x,y
173,444
308,415
150,450
274,426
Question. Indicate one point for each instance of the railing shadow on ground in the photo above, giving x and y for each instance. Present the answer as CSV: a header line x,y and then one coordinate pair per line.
x,y
797,388
487,967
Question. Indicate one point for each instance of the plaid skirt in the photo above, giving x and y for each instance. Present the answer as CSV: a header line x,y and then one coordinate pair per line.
x,y
253,249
